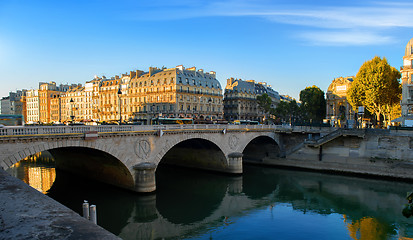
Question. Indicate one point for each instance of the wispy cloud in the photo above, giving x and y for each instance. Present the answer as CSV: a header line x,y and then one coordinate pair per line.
x,y
341,25
345,38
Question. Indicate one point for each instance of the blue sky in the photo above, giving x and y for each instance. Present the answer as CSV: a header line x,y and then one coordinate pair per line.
x,y
288,44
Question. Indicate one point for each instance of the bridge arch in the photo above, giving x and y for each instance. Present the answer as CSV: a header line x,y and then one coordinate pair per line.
x,y
260,148
196,152
101,164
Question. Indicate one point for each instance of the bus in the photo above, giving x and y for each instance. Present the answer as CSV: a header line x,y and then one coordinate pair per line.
x,y
167,121
11,120
245,122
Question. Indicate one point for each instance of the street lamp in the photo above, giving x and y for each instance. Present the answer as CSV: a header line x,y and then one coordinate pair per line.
x,y
71,110
153,111
210,109
120,105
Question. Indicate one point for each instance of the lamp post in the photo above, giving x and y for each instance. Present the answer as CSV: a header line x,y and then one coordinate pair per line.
x,y
72,117
210,109
153,111
120,105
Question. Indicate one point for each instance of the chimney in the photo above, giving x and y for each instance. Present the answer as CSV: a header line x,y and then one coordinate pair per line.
x,y
180,67
213,74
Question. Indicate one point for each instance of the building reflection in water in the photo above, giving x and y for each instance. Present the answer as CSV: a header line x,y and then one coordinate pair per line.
x,y
193,204
36,170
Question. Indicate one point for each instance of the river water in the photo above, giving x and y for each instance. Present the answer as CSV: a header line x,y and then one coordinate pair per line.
x,y
262,203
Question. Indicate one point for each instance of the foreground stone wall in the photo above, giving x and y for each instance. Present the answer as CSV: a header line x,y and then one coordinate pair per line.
x,y
26,213
380,152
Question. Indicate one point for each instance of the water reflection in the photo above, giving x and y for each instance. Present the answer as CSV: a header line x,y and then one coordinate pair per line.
x,y
36,170
262,203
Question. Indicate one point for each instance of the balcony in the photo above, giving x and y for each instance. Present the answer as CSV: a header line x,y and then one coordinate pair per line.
x,y
405,67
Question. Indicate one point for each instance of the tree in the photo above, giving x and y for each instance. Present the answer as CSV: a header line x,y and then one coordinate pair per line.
x,y
377,88
264,102
287,111
313,103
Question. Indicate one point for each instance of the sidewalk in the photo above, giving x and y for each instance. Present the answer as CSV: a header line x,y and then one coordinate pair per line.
x,y
26,213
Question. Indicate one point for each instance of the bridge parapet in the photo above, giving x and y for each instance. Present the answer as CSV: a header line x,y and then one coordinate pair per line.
x,y
51,130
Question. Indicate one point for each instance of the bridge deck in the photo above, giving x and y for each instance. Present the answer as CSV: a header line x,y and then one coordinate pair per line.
x,y
152,129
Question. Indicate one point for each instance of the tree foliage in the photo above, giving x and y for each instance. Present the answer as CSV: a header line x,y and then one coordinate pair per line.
x,y
377,88
264,102
287,111
313,103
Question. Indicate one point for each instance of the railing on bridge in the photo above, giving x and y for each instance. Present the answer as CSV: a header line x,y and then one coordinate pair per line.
x,y
57,130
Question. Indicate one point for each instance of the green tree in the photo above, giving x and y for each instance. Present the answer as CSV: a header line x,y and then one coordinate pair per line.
x,y
264,103
313,103
287,111
377,88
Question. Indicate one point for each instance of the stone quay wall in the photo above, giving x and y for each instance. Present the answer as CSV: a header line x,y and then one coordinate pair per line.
x,y
385,153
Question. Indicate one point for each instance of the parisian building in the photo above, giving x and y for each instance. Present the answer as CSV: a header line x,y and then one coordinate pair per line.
x,y
174,92
240,101
407,86
12,104
72,104
137,96
44,105
32,106
338,109
46,92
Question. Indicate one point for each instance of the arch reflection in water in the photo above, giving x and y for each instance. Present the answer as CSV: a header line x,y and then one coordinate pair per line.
x,y
36,170
261,203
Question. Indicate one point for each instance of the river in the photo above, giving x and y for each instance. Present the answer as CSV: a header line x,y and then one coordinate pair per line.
x,y
262,203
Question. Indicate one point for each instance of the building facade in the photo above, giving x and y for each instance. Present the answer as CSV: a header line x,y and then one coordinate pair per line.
x,y
46,92
339,111
407,86
137,96
12,104
240,100
32,106
175,93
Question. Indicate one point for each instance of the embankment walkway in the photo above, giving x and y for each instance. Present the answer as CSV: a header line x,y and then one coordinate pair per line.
x,y
26,213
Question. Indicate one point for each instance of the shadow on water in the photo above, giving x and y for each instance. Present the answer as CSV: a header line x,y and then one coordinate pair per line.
x,y
190,203
114,205
185,196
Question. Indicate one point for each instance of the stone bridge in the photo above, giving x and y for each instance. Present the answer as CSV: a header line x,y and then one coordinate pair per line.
x,y
127,156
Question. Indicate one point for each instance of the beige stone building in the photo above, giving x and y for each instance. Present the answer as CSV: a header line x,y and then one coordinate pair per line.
x,y
46,93
174,92
407,86
72,105
240,101
338,109
32,106
108,110
137,96
55,108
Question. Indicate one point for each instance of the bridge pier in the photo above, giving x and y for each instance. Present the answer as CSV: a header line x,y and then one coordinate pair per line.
x,y
235,162
145,177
